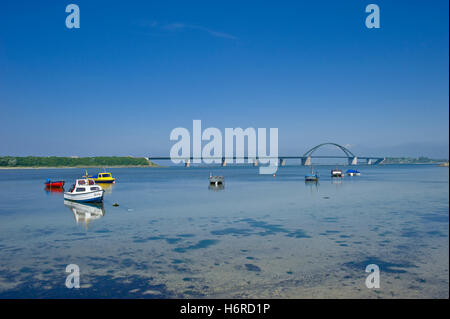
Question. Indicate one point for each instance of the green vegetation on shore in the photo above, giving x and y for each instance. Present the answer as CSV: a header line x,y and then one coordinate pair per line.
x,y
412,160
54,161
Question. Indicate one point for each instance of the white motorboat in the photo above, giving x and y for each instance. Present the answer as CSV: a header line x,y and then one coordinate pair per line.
x,y
85,191
337,173
216,180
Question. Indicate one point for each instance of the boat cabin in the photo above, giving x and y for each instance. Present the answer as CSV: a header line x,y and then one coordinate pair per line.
x,y
84,185
102,175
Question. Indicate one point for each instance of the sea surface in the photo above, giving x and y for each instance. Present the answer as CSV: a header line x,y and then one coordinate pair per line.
x,y
260,236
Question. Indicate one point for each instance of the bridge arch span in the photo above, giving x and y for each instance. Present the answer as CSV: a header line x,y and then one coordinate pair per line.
x,y
347,152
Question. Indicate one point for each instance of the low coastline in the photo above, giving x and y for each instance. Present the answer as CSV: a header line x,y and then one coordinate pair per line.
x,y
71,167
55,162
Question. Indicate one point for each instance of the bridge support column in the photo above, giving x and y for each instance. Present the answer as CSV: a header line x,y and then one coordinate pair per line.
x,y
306,161
353,161
255,162
187,163
282,162
224,162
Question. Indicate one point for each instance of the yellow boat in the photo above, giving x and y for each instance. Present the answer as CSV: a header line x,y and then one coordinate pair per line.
x,y
103,178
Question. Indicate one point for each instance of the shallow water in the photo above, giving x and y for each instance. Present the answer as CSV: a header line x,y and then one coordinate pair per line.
x,y
260,236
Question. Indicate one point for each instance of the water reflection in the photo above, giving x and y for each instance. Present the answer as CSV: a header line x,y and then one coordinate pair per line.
x,y
312,185
216,188
182,244
107,187
84,213
53,190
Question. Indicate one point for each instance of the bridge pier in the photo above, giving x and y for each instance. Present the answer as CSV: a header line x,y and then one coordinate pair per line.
x,y
353,160
306,161
282,162
187,163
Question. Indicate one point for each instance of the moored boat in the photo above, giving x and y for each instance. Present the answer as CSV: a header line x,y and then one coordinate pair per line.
x,y
85,191
337,173
54,184
353,172
216,180
104,177
313,177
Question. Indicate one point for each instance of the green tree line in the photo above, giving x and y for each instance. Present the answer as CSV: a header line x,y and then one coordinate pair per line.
x,y
54,161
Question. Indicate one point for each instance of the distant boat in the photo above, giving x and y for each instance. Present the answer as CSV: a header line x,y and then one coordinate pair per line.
x,y
353,172
216,180
54,184
313,177
85,191
104,177
336,173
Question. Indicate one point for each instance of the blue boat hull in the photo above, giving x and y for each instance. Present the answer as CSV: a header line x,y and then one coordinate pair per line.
x,y
90,200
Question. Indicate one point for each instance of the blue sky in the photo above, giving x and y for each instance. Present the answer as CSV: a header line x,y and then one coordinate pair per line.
x,y
135,70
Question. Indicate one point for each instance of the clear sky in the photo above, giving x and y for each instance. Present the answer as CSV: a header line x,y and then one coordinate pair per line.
x,y
135,70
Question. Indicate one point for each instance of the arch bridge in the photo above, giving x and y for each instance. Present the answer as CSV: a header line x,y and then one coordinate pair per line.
x,y
352,159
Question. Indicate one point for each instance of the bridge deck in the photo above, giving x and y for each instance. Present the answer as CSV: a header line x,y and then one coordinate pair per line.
x,y
263,157
306,158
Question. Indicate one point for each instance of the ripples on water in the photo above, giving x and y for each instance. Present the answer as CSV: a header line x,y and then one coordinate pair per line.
x,y
174,236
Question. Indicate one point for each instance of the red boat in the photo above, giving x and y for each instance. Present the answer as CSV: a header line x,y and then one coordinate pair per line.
x,y
54,184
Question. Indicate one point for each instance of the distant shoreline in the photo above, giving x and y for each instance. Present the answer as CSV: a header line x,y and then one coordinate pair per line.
x,y
54,162
71,167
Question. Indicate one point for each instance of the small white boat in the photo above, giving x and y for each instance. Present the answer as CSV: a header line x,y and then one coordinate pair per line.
x,y
216,180
85,191
337,173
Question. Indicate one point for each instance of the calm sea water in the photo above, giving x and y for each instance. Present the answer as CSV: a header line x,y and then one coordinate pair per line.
x,y
260,236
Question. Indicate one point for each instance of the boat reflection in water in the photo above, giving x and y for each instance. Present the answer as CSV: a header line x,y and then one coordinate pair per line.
x,y
312,184
107,187
216,188
52,190
336,181
84,213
